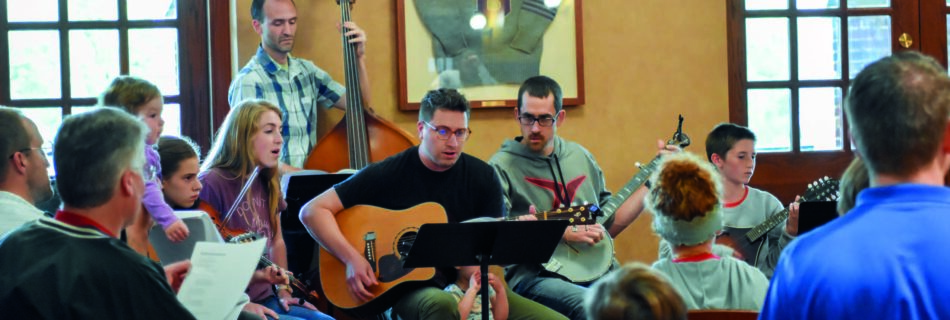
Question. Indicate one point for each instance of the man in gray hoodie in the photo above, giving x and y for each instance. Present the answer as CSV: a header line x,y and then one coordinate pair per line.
x,y
540,171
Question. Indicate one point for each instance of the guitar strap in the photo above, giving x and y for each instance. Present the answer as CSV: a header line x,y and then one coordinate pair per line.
x,y
562,194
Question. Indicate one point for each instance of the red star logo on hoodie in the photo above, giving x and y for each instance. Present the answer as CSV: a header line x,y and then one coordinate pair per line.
x,y
570,188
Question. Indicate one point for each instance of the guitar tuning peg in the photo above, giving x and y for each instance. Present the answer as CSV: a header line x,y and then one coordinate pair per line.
x,y
638,164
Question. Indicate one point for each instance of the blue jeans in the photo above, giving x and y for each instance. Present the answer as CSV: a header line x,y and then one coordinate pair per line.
x,y
296,312
564,297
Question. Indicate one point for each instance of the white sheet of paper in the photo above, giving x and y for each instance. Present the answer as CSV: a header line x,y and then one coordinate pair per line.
x,y
218,277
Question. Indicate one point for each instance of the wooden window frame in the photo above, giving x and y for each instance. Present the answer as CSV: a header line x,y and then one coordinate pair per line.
x,y
785,174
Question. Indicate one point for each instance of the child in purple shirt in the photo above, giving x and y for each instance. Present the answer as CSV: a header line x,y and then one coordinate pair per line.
x,y
142,98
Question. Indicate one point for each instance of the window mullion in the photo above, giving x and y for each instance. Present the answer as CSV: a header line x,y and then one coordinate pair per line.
x,y
5,61
123,37
63,27
793,77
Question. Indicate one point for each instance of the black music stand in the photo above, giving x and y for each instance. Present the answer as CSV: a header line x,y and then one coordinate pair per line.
x,y
481,244
299,188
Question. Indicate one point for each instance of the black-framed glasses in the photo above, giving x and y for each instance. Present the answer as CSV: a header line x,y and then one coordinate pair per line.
x,y
24,150
544,121
443,133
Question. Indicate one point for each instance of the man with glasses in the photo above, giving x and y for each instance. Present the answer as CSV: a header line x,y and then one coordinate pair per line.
x,y
541,171
435,171
24,181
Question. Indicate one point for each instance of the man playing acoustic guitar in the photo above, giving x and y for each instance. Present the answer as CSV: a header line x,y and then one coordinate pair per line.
x,y
435,171
542,171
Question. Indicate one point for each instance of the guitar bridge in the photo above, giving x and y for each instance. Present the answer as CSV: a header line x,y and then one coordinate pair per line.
x,y
369,250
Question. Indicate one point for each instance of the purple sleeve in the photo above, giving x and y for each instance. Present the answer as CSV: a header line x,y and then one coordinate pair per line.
x,y
154,199
154,202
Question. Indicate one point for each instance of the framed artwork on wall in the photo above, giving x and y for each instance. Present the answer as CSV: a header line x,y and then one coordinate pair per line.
x,y
487,48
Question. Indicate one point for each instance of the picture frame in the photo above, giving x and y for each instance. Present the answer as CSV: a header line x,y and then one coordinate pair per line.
x,y
501,51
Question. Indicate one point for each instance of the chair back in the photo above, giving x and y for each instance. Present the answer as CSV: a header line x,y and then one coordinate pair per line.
x,y
710,314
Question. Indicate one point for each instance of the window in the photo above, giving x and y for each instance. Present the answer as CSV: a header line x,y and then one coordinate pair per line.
x,y
791,62
61,55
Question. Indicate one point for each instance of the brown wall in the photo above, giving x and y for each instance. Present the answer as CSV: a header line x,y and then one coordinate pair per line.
x,y
645,62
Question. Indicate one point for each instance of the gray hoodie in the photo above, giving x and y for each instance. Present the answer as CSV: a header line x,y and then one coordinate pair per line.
x,y
529,178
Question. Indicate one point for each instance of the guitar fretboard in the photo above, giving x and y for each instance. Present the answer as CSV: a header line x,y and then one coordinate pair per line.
x,y
766,225
617,199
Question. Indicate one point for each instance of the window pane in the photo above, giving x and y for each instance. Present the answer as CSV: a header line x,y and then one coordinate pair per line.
x,y
152,9
770,119
34,65
93,61
818,4
820,123
153,56
869,39
766,4
93,10
819,48
171,113
767,49
47,120
868,3
32,10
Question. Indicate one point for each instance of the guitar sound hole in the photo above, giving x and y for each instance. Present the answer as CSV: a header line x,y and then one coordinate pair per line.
x,y
404,243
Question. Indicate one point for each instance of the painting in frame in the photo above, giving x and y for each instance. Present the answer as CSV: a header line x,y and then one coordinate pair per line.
x,y
519,39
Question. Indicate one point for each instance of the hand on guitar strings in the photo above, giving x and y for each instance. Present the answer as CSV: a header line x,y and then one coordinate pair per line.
x,y
791,225
665,149
356,35
360,276
590,234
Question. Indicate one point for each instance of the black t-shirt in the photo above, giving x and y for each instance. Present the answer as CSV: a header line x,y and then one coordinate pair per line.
x,y
470,189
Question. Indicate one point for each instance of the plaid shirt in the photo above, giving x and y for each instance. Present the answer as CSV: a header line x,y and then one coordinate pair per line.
x,y
297,90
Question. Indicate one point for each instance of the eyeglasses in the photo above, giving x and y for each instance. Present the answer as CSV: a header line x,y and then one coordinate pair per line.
x,y
24,150
544,121
444,132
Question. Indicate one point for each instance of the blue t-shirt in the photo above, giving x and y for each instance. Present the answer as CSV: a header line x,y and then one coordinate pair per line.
x,y
885,259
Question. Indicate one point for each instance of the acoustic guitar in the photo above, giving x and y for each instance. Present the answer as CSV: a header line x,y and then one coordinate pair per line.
x,y
584,263
747,242
385,236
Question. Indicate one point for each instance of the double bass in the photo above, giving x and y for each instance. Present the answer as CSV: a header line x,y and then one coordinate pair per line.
x,y
367,137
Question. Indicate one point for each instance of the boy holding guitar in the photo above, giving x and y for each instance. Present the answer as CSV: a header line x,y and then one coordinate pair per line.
x,y
731,148
540,170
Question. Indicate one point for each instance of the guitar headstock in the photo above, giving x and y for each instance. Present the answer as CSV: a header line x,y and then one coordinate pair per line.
x,y
679,139
577,215
823,189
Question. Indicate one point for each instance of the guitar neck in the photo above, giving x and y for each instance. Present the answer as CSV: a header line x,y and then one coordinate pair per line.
x,y
610,208
356,135
769,223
